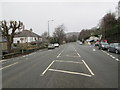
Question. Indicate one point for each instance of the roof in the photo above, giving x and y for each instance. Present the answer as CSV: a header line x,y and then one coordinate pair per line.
x,y
26,33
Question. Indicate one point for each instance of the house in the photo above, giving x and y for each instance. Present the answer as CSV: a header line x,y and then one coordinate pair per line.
x,y
91,40
26,36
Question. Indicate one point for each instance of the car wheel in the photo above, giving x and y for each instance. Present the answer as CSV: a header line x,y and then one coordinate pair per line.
x,y
116,51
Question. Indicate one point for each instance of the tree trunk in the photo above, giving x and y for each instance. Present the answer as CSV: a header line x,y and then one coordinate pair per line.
x,y
9,46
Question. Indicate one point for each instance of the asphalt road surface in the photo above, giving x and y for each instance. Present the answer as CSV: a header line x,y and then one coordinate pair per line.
x,y
69,66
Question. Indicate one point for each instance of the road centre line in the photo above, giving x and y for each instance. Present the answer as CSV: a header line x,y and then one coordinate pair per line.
x,y
60,54
68,61
76,52
69,72
88,67
8,66
47,68
71,56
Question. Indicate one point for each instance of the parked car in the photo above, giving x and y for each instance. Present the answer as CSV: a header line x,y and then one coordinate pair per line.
x,y
51,46
114,47
80,43
97,43
5,52
56,45
103,45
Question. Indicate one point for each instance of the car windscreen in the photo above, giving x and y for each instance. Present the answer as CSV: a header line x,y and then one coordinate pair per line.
x,y
117,44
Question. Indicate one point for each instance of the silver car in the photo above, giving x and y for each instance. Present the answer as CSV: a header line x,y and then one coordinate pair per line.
x,y
114,47
51,46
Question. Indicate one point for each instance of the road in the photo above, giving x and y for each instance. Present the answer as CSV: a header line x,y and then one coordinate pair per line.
x,y
69,66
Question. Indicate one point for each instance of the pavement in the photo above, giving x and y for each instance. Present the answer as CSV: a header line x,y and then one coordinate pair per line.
x,y
69,66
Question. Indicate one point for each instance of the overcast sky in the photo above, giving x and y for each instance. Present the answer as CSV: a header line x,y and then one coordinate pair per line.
x,y
74,15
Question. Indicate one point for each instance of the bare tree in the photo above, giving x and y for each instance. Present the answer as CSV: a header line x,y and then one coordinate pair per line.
x,y
45,37
107,22
59,34
72,38
9,29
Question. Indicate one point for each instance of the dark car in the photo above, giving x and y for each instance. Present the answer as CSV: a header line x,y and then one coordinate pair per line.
x,y
114,47
103,45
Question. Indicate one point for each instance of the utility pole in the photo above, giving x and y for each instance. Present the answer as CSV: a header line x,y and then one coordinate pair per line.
x,y
48,27
0,44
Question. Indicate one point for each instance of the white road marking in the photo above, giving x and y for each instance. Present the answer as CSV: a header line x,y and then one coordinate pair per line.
x,y
2,60
71,56
60,54
94,50
47,68
88,67
24,56
117,59
77,52
69,72
8,66
104,51
113,57
110,55
68,61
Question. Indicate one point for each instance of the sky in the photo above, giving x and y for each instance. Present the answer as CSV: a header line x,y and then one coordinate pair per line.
x,y
74,15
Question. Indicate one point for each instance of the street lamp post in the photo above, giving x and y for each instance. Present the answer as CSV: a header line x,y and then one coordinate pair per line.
x,y
48,27
1,44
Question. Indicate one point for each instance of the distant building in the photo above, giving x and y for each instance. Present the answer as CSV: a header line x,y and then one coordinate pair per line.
x,y
26,36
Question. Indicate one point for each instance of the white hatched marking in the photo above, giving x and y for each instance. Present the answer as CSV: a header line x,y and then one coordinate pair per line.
x,y
68,61
47,68
69,72
88,67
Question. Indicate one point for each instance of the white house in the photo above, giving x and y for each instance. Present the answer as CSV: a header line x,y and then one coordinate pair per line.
x,y
26,36
91,39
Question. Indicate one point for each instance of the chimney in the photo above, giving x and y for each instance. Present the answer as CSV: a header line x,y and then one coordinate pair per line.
x,y
30,29
23,27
